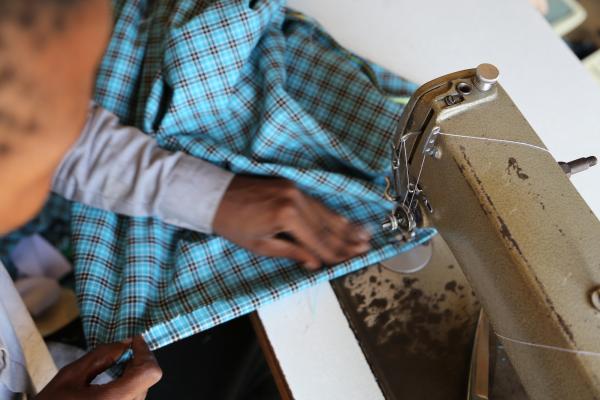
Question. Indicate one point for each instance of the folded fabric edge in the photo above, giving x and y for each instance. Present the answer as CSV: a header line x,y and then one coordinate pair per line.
x,y
185,325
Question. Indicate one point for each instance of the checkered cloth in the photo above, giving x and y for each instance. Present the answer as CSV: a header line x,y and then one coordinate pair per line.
x,y
255,90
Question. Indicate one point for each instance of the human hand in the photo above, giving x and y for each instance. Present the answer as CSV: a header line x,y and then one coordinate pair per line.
x,y
74,380
271,217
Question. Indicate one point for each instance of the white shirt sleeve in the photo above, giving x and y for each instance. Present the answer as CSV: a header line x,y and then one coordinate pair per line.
x,y
120,169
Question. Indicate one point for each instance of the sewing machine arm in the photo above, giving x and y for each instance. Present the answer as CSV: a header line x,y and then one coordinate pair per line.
x,y
467,162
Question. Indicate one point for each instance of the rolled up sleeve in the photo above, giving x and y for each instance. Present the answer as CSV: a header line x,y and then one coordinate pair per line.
x,y
120,169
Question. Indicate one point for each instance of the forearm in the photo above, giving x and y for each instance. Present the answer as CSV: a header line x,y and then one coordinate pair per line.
x,y
120,169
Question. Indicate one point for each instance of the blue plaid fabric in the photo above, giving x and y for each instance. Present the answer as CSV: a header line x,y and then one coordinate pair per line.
x,y
255,90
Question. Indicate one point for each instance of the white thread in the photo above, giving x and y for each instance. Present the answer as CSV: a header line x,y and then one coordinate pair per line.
x,y
417,183
521,342
547,347
407,175
495,140
406,166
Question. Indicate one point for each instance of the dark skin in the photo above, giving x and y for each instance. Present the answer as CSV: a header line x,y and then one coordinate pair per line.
x,y
74,381
43,106
273,218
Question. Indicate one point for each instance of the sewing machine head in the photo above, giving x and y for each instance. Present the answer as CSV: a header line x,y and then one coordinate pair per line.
x,y
417,135
467,162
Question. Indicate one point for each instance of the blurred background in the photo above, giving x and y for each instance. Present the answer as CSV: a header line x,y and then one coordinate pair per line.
x,y
578,22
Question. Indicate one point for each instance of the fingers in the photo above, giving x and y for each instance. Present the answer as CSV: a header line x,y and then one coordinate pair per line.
x,y
287,249
97,361
328,245
320,240
338,225
327,235
255,211
142,356
141,373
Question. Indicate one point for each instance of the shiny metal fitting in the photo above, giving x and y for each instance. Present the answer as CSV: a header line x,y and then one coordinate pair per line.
x,y
486,76
579,165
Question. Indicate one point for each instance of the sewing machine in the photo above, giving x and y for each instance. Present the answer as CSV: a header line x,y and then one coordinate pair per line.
x,y
513,222
507,210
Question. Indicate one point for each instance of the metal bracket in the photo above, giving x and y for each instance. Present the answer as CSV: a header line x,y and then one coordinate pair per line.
x,y
429,148
402,220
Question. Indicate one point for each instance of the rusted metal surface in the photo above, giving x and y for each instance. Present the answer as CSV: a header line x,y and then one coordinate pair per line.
x,y
504,382
417,330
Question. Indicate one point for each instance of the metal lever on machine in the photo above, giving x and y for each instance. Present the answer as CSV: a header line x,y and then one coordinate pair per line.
x,y
579,165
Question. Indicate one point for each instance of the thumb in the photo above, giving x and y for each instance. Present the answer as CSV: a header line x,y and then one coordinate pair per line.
x,y
99,360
